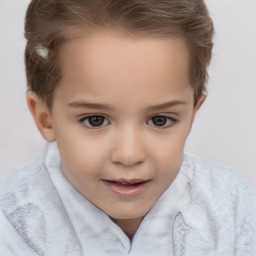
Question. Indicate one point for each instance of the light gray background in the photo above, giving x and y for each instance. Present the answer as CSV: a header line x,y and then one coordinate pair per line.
x,y
225,128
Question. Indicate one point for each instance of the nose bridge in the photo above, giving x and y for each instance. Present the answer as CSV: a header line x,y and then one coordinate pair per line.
x,y
128,146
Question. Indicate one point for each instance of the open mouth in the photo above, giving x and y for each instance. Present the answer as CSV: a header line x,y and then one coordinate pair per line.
x,y
127,184
126,188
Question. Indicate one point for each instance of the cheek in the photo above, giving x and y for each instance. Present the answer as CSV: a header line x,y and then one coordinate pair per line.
x,y
81,166
170,164
167,155
83,155
79,156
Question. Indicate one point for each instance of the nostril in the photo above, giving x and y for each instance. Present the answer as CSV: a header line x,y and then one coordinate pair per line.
x,y
128,162
128,158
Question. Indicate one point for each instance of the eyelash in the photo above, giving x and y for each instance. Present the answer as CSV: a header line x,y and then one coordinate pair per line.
x,y
169,120
88,125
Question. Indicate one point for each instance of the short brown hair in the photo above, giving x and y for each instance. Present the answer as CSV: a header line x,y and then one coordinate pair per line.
x,y
48,23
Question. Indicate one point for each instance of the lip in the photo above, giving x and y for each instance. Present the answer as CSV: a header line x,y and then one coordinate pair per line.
x,y
132,188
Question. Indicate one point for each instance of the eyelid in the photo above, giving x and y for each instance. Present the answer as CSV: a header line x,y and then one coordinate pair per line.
x,y
169,116
83,117
166,115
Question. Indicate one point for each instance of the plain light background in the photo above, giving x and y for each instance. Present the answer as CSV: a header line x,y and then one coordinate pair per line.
x,y
225,128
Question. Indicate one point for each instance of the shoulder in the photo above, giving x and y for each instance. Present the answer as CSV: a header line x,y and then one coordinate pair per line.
x,y
219,184
18,184
222,207
210,177
25,193
19,194
31,212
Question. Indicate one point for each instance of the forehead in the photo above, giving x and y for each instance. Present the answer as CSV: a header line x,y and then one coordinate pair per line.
x,y
107,61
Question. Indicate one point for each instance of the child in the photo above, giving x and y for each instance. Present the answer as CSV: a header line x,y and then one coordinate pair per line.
x,y
114,87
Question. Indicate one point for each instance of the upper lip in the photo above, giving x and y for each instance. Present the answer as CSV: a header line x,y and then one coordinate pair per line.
x,y
128,181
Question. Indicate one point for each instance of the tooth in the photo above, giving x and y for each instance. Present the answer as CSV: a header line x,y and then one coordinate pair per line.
x,y
122,183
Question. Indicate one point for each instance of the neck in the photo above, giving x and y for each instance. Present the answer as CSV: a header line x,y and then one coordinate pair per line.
x,y
129,226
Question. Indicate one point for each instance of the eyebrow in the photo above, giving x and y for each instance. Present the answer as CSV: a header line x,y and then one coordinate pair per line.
x,y
92,105
166,105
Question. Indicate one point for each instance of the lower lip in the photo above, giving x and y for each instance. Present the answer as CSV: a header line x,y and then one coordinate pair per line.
x,y
126,191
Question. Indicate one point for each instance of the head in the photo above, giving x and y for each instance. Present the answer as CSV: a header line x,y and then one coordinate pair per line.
x,y
117,84
49,24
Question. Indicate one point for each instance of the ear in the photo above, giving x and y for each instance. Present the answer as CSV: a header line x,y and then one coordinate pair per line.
x,y
198,106
41,115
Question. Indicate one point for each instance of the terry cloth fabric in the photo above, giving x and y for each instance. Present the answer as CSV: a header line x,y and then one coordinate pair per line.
x,y
207,211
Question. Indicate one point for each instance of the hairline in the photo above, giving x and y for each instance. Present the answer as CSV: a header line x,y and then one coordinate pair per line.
x,y
85,31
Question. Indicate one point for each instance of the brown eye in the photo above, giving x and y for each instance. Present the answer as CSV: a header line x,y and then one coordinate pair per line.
x,y
95,121
161,121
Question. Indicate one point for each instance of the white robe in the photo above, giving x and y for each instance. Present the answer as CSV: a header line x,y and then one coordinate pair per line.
x,y
207,211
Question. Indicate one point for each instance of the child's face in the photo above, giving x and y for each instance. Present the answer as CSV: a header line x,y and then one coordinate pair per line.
x,y
122,112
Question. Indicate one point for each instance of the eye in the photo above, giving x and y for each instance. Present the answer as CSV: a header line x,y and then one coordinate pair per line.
x,y
96,121
161,121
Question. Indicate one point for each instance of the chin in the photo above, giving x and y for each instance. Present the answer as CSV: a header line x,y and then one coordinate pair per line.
x,y
126,215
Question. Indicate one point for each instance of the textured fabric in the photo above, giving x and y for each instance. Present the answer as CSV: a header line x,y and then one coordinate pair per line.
x,y
208,210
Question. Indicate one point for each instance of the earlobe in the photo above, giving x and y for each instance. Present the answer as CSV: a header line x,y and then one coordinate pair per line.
x,y
41,115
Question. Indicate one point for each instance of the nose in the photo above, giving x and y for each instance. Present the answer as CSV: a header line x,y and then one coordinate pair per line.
x,y
128,148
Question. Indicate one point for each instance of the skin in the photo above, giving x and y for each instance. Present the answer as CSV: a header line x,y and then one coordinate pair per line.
x,y
132,77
